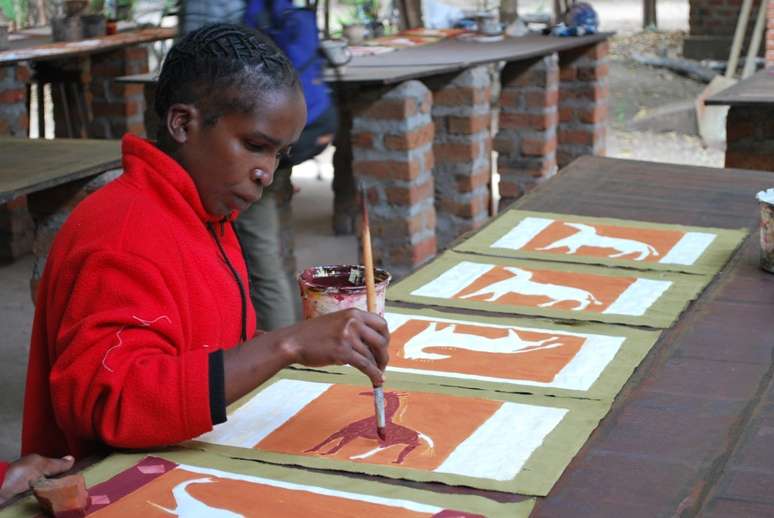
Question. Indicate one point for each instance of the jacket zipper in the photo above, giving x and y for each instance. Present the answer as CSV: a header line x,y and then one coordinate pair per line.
x,y
242,296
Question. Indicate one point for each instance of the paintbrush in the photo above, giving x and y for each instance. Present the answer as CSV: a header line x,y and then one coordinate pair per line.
x,y
368,263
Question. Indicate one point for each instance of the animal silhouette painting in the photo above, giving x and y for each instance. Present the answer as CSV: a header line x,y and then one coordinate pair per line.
x,y
587,235
187,505
395,434
446,337
522,284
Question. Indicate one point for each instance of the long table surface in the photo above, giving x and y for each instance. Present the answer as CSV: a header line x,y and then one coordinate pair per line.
x,y
756,90
445,56
690,431
69,49
31,165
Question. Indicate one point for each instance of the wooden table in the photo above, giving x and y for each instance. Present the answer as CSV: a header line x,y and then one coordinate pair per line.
x,y
749,131
70,49
690,431
33,165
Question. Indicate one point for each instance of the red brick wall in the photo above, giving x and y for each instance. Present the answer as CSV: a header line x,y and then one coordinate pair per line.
x,y
14,119
117,108
583,98
462,116
750,138
712,24
770,36
392,155
526,139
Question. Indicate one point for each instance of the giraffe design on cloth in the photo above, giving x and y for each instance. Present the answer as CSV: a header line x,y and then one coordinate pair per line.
x,y
395,434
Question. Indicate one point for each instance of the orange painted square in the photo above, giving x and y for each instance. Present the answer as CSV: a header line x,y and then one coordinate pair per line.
x,y
662,240
242,497
605,289
539,365
447,420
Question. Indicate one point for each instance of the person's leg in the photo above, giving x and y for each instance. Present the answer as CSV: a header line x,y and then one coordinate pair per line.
x,y
274,296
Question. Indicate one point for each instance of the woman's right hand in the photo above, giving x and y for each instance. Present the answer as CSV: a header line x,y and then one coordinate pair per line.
x,y
350,336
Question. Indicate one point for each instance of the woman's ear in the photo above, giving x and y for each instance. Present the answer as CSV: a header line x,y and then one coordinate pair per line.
x,y
182,119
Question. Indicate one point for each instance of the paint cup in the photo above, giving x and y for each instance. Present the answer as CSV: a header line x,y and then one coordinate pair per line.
x,y
325,289
766,201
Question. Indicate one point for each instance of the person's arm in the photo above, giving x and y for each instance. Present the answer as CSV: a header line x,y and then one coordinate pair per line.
x,y
126,373
17,476
350,337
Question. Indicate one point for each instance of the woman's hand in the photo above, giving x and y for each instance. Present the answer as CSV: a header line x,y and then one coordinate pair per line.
x,y
28,469
350,336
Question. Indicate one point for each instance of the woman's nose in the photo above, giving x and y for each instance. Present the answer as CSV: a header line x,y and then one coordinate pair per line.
x,y
263,176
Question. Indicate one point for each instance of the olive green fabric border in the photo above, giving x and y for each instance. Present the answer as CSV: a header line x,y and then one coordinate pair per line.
x,y
711,261
538,475
119,462
663,313
635,347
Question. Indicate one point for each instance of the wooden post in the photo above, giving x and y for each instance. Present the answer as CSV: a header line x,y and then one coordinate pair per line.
x,y
509,11
649,17
410,14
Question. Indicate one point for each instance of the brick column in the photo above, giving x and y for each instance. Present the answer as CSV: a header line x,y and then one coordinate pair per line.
x,y
462,116
14,119
770,35
583,93
117,108
392,154
16,227
50,208
750,138
526,139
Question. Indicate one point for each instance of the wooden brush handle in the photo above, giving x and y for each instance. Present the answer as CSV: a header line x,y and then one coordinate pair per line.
x,y
368,262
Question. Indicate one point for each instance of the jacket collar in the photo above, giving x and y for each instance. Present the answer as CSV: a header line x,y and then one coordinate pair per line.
x,y
142,155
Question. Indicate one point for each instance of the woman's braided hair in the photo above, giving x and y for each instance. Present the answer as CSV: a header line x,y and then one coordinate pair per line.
x,y
222,68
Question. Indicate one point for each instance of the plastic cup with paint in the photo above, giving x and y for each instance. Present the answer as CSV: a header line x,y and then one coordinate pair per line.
x,y
325,289
766,200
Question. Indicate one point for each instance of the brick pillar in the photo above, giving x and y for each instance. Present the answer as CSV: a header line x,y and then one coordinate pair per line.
x,y
750,138
770,35
16,227
583,93
50,208
392,154
117,108
462,116
526,138
14,119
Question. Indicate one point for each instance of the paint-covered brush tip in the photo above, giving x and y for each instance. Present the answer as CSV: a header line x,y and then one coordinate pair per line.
x,y
380,432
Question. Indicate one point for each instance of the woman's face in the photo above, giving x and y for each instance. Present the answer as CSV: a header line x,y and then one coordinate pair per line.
x,y
233,160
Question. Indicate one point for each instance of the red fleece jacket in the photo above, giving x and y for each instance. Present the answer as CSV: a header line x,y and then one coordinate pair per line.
x,y
3,469
134,297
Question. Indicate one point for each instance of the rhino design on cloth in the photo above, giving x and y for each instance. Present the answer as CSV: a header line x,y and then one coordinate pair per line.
x,y
522,284
414,349
588,236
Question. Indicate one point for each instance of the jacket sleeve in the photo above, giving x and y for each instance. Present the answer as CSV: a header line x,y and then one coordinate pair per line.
x,y
125,371
3,470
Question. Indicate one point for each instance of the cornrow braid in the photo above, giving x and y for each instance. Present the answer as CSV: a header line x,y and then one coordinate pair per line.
x,y
200,68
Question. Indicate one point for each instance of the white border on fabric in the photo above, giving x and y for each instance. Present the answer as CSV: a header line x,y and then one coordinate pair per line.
x,y
689,249
638,297
265,412
527,229
391,502
580,373
453,280
501,446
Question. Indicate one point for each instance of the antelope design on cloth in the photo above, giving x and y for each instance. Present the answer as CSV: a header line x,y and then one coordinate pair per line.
x,y
395,434
414,349
187,505
588,236
522,284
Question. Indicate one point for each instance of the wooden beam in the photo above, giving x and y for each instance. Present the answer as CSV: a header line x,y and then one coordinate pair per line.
x,y
649,17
